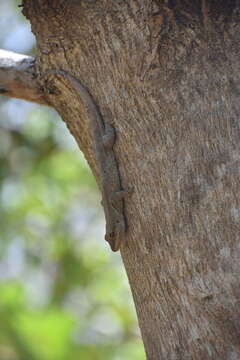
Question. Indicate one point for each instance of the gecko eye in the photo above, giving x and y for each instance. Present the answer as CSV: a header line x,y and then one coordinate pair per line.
x,y
109,236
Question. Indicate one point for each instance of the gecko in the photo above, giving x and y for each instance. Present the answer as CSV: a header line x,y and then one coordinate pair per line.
x,y
104,137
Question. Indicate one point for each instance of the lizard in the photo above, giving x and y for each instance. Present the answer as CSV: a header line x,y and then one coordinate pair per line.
x,y
104,137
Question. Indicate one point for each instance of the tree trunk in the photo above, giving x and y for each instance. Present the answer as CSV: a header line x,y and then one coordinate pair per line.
x,y
166,74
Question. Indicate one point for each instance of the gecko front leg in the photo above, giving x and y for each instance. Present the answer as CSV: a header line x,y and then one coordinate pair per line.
x,y
109,136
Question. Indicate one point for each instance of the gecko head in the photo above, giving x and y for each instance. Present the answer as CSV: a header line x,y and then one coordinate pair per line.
x,y
115,234
113,241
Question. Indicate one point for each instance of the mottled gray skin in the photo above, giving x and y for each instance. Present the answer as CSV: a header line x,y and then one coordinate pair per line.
x,y
104,138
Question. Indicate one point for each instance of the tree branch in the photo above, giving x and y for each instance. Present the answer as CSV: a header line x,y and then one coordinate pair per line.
x,y
18,78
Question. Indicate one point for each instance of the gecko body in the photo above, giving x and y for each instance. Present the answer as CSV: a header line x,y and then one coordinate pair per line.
x,y
103,137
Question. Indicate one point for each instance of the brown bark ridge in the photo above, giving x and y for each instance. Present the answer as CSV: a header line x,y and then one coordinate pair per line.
x,y
166,74
18,77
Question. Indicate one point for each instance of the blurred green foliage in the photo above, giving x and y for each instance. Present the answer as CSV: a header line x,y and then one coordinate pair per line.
x,y
63,294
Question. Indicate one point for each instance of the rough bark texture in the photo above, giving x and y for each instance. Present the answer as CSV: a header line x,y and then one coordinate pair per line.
x,y
167,75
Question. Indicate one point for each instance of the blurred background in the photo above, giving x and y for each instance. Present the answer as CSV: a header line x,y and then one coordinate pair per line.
x,y
63,293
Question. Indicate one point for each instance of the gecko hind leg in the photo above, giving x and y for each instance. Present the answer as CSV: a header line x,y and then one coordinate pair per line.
x,y
123,194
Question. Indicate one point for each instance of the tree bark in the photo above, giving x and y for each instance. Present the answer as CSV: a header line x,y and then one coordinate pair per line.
x,y
166,74
18,77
